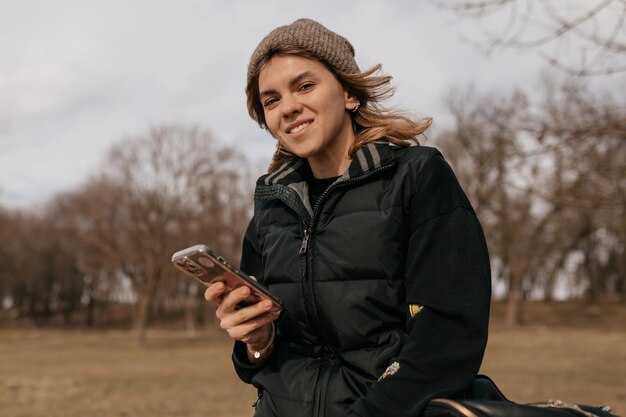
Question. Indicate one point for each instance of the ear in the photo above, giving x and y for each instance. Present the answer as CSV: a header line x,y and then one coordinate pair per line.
x,y
350,101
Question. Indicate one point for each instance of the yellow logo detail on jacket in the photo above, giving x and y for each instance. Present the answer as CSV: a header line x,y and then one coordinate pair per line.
x,y
414,309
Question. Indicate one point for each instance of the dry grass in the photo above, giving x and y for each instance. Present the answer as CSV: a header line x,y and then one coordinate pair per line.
x,y
57,373
97,374
583,366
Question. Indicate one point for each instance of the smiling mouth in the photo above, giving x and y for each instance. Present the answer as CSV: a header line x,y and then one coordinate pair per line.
x,y
299,127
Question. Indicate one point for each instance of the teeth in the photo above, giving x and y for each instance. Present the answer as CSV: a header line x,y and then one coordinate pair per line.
x,y
299,127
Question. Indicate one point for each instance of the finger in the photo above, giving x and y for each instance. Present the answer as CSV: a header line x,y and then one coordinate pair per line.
x,y
248,331
247,316
232,318
229,306
230,301
215,292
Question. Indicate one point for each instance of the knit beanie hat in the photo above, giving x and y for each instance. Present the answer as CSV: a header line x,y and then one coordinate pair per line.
x,y
311,36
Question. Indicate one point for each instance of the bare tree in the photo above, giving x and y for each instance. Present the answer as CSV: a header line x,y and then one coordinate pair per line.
x,y
12,289
111,239
585,132
89,218
486,152
593,28
547,181
178,187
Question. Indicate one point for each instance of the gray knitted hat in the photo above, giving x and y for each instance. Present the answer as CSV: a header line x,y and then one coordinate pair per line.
x,y
311,36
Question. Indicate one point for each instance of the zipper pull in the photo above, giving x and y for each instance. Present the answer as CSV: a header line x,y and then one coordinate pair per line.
x,y
258,398
305,241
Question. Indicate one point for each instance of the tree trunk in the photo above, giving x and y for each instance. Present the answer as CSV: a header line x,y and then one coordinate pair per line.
x,y
593,272
89,318
144,305
621,285
141,321
190,323
513,316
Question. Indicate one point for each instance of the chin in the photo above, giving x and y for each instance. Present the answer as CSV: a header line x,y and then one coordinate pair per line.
x,y
303,152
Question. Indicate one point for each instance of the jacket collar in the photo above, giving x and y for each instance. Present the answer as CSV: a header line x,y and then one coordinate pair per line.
x,y
367,159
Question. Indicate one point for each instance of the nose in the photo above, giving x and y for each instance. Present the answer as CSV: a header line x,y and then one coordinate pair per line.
x,y
290,106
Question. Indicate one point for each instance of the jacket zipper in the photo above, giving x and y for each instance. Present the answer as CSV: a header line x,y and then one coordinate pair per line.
x,y
307,228
305,240
319,399
322,380
258,398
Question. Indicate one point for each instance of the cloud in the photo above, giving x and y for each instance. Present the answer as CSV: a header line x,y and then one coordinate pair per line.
x,y
77,76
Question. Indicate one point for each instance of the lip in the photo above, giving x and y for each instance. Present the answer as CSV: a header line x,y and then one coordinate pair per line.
x,y
297,123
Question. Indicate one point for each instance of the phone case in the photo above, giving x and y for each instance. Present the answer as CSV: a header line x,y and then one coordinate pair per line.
x,y
206,266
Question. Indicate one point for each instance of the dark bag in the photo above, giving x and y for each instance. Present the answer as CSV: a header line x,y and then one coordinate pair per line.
x,y
484,399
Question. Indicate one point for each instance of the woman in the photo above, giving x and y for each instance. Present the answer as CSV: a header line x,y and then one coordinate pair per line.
x,y
367,238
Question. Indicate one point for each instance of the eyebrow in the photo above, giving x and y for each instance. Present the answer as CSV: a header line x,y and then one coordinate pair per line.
x,y
294,80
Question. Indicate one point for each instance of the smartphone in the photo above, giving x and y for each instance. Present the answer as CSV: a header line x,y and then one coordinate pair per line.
x,y
205,265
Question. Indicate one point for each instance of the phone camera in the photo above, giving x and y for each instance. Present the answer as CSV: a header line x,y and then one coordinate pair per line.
x,y
207,262
191,266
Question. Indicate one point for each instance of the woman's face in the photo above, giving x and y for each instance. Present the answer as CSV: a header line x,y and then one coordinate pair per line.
x,y
306,108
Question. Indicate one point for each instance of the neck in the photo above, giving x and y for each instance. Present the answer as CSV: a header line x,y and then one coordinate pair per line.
x,y
334,160
330,168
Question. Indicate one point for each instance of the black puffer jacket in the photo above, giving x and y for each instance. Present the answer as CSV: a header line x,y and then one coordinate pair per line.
x,y
386,285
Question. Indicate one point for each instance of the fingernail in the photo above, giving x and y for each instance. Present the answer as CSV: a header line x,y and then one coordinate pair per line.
x,y
266,304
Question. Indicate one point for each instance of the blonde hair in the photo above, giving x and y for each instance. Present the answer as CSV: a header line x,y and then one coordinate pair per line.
x,y
372,122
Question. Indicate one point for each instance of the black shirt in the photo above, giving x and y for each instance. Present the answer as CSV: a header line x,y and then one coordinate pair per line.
x,y
317,186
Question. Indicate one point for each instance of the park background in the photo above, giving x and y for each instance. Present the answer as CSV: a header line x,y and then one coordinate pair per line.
x,y
124,137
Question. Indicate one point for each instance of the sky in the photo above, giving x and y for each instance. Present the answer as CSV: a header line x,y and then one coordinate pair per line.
x,y
78,76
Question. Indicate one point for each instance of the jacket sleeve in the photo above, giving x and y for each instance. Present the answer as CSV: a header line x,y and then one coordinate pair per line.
x,y
251,264
448,285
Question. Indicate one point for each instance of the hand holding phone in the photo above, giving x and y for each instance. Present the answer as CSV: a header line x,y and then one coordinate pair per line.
x,y
206,266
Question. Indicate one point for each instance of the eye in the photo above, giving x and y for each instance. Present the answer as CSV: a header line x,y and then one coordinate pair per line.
x,y
306,86
269,101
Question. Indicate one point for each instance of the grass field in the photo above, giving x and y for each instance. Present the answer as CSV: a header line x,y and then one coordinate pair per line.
x,y
56,373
